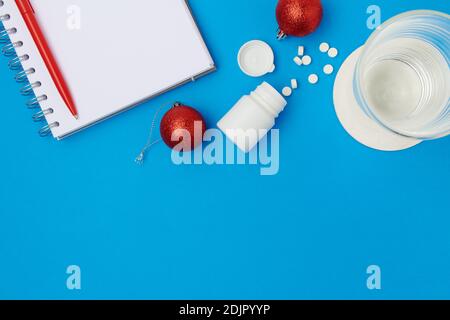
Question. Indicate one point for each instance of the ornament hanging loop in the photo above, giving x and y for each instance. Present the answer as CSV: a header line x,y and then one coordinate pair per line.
x,y
281,35
150,143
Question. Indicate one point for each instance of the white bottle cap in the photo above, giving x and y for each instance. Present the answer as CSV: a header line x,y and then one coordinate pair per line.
x,y
256,58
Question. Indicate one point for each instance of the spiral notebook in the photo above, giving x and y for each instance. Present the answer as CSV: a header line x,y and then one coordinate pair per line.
x,y
114,55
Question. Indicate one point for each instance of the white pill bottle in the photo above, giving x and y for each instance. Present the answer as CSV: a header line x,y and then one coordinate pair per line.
x,y
252,117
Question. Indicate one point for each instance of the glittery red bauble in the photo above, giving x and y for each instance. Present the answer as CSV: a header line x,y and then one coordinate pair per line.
x,y
298,17
189,121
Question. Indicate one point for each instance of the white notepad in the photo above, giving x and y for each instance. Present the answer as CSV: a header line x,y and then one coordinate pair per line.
x,y
113,54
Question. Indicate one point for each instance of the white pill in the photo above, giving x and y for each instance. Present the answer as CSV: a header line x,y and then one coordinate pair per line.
x,y
313,78
294,84
301,50
287,91
324,47
306,60
298,61
328,69
333,52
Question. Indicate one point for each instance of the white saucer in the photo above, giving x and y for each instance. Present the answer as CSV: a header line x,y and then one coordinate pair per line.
x,y
360,126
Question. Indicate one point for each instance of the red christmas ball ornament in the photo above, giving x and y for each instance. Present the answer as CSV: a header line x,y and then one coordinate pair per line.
x,y
182,128
298,17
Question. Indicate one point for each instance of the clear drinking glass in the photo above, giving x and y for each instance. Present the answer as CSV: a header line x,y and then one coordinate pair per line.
x,y
402,78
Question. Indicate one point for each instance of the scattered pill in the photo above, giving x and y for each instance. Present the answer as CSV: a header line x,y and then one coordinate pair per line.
x,y
301,50
333,52
313,78
328,69
324,47
298,61
294,84
306,60
287,92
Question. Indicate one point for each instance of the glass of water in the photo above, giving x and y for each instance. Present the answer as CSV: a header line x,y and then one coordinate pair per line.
x,y
402,79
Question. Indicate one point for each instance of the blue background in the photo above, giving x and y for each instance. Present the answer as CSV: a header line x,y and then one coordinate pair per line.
x,y
204,232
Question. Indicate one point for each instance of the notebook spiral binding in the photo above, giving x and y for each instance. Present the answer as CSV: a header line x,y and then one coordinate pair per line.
x,y
15,64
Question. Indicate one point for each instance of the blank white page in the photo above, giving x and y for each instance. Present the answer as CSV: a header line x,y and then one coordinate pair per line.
x,y
113,54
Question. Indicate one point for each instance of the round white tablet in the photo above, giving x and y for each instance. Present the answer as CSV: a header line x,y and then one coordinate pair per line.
x,y
306,60
287,92
333,52
328,69
324,47
313,78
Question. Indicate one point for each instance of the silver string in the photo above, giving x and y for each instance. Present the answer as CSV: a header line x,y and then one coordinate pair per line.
x,y
150,143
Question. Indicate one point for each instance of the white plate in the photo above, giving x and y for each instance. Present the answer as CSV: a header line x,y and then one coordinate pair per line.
x,y
360,126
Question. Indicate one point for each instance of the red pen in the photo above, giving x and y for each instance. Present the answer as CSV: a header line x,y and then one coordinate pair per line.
x,y
27,12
